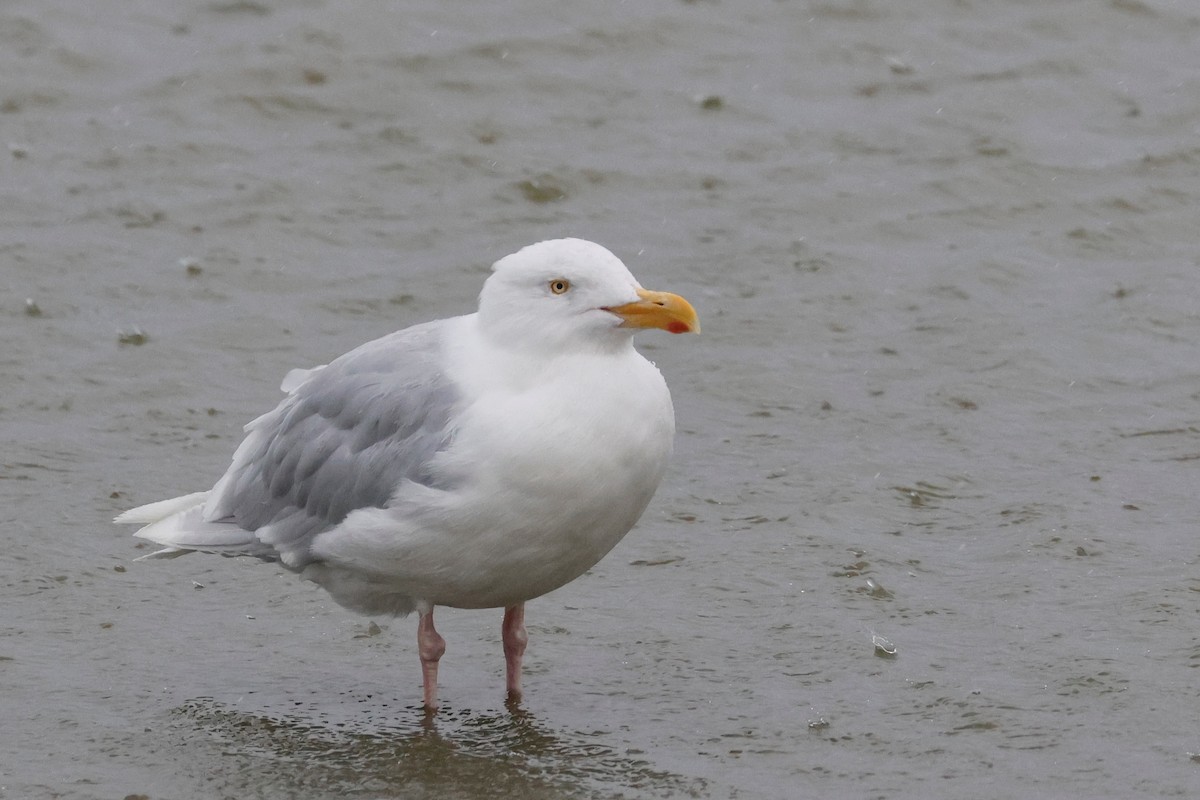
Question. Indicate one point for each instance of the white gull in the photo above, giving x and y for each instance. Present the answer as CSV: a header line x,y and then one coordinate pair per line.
x,y
474,462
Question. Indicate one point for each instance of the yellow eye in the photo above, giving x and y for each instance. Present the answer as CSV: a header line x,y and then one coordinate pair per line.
x,y
560,286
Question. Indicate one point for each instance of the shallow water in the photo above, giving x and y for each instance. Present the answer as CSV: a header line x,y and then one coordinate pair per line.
x,y
946,398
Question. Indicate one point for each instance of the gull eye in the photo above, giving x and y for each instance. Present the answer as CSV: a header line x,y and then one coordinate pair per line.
x,y
560,286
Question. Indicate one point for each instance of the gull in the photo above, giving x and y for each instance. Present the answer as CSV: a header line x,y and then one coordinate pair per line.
x,y
478,461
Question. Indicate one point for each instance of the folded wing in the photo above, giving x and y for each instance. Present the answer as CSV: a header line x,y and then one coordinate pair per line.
x,y
347,436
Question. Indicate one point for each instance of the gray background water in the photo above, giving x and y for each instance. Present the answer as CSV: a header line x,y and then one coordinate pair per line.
x,y
947,391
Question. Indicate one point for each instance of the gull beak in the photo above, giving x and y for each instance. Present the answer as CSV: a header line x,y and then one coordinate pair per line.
x,y
658,310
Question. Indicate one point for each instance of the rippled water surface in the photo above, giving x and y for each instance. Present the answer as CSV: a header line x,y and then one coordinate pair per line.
x,y
931,528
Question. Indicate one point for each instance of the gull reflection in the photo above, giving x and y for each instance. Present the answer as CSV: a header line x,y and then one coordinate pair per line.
x,y
366,746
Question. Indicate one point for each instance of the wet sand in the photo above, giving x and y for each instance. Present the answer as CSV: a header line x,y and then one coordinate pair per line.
x,y
945,403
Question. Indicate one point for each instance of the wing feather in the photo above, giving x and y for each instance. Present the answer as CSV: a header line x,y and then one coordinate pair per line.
x,y
346,437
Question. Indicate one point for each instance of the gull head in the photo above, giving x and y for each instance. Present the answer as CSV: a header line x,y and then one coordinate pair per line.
x,y
570,293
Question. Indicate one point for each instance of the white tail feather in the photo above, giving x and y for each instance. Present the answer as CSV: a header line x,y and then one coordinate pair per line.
x,y
166,552
179,525
153,512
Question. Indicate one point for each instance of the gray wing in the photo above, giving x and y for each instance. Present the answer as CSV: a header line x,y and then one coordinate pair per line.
x,y
344,439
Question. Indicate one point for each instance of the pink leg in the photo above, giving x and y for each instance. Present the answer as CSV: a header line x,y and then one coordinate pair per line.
x,y
431,646
515,638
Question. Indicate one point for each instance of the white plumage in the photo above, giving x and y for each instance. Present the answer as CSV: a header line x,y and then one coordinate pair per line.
x,y
474,462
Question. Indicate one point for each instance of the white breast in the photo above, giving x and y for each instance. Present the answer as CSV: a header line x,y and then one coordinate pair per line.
x,y
555,467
